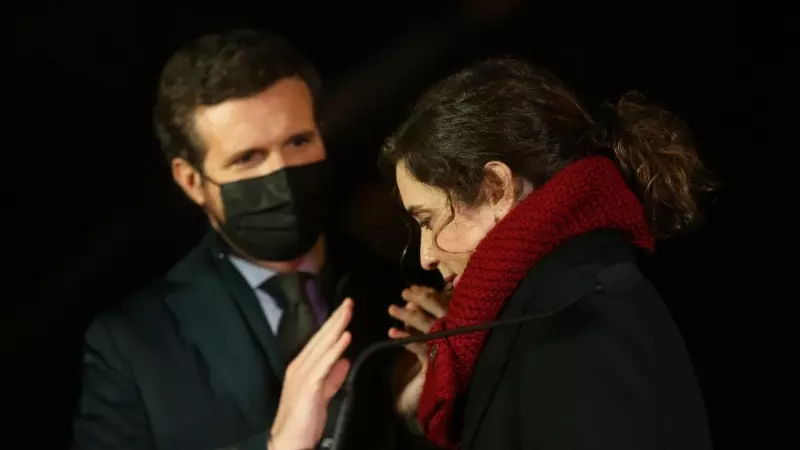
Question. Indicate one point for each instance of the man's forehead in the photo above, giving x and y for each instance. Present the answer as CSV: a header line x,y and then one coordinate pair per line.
x,y
263,120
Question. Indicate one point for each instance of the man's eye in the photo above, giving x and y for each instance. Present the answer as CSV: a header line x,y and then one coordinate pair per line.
x,y
299,141
248,158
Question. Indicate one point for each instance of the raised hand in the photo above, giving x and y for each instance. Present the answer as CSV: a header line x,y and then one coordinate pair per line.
x,y
311,380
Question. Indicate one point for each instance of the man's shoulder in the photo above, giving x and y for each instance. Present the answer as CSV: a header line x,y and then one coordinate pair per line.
x,y
143,307
136,310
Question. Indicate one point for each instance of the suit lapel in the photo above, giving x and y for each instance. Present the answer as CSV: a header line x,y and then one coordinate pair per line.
x,y
218,313
247,303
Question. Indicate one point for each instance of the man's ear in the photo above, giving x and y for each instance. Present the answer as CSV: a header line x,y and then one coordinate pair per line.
x,y
189,179
499,187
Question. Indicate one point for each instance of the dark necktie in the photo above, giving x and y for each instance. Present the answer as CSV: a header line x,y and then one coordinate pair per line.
x,y
298,322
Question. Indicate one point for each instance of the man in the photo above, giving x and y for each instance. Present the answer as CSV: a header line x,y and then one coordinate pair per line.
x,y
196,361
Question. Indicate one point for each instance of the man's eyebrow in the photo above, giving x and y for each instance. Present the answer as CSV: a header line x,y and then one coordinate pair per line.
x,y
235,156
305,134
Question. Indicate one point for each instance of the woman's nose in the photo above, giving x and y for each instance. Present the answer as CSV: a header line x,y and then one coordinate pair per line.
x,y
426,256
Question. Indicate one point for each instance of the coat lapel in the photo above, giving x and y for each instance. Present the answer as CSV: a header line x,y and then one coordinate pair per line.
x,y
218,313
248,305
489,370
540,293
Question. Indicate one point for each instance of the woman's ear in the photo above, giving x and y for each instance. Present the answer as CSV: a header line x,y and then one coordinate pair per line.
x,y
499,188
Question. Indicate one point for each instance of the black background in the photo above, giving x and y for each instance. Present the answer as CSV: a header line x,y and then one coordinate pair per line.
x,y
92,212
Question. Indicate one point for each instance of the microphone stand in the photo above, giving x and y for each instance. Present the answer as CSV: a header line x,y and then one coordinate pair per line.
x,y
343,419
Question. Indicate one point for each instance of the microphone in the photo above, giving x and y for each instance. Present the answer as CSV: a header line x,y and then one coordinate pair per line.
x,y
343,419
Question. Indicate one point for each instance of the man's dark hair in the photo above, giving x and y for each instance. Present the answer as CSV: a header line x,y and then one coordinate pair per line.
x,y
216,68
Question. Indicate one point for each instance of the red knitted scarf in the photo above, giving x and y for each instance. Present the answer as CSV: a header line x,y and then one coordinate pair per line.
x,y
587,195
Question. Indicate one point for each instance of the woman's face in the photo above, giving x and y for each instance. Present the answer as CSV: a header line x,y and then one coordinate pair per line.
x,y
446,245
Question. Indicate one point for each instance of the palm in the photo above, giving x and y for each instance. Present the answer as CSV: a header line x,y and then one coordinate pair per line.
x,y
310,413
409,396
424,306
312,379
410,380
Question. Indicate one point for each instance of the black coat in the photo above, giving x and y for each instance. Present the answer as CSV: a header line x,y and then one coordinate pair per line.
x,y
607,372
191,363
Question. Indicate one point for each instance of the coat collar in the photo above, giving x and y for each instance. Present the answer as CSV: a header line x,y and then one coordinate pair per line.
x,y
567,273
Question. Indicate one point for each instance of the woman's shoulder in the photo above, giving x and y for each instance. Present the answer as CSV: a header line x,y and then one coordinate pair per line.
x,y
592,264
592,286
599,308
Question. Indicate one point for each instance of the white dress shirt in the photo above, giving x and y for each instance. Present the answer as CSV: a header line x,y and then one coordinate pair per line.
x,y
256,275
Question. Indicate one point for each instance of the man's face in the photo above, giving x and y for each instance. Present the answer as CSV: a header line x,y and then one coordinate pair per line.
x,y
251,137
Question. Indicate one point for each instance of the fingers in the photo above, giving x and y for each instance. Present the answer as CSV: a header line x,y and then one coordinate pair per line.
x,y
331,335
325,337
396,333
416,319
330,330
413,307
426,298
323,366
312,379
335,379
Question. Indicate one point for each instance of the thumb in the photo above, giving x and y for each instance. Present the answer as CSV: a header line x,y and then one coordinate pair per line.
x,y
419,349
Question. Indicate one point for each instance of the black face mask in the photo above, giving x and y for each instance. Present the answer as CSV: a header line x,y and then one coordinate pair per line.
x,y
280,216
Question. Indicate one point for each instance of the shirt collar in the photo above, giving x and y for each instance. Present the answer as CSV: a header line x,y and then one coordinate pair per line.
x,y
256,275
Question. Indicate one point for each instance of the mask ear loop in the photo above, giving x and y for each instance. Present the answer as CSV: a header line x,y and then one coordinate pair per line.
x,y
226,240
205,177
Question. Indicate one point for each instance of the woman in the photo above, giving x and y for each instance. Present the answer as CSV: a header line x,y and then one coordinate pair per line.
x,y
525,203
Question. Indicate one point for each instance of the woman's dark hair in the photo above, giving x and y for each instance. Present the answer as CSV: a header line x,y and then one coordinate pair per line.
x,y
510,111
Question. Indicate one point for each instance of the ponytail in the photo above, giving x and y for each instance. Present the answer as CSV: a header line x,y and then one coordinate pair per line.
x,y
654,150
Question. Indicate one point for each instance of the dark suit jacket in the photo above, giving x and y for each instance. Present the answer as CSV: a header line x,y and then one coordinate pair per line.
x,y
609,371
191,362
